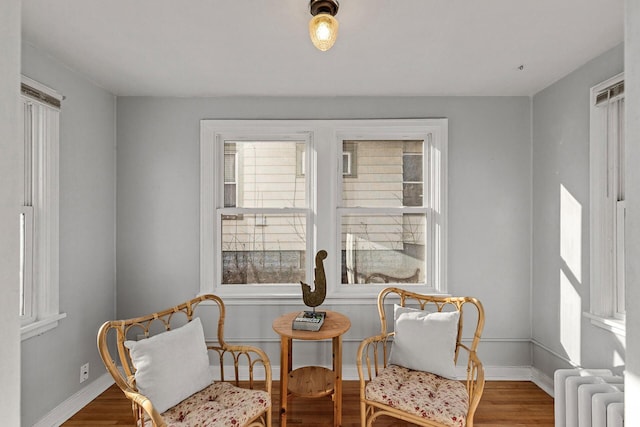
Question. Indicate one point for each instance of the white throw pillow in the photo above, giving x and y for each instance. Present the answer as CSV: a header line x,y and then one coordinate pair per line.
x,y
171,366
425,341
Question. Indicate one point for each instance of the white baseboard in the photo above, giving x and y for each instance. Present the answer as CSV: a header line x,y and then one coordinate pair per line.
x,y
69,407
542,380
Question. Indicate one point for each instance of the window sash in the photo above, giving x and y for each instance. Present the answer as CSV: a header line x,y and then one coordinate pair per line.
x,y
40,212
263,248
382,241
607,210
257,218
26,309
620,261
618,143
433,205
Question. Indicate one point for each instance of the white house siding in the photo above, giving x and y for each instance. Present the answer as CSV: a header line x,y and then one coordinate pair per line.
x,y
379,176
268,176
279,233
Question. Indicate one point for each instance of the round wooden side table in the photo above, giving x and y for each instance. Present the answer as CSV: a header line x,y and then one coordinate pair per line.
x,y
311,381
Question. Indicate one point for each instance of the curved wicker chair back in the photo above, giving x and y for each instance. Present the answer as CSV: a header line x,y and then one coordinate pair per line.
x,y
247,362
374,351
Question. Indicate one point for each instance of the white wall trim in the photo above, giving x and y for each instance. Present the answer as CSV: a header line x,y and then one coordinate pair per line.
x,y
542,380
41,326
611,324
73,404
555,353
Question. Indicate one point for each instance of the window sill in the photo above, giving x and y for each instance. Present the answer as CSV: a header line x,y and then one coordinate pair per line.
x,y
41,326
265,294
611,324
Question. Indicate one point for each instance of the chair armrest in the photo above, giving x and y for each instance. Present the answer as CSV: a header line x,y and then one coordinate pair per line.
x,y
372,356
145,408
252,357
475,379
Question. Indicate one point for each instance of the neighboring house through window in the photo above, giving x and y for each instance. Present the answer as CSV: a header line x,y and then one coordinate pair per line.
x,y
607,183
39,290
412,177
273,193
230,176
349,160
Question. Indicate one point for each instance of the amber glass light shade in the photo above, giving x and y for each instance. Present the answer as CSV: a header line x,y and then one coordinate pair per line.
x,y
323,29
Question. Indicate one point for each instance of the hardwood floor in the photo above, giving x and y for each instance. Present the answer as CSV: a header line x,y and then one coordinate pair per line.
x,y
504,403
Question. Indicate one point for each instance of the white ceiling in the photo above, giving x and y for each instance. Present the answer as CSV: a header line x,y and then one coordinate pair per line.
x,y
261,47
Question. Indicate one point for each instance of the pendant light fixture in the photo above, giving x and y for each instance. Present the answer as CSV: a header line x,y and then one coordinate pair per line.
x,y
323,27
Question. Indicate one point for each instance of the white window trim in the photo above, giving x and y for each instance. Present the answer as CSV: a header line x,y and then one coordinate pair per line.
x,y
212,132
435,156
603,299
324,147
45,301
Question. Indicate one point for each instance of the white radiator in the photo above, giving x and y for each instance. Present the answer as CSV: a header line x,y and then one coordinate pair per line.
x,y
588,398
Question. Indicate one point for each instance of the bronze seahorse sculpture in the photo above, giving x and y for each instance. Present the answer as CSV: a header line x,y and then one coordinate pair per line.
x,y
316,297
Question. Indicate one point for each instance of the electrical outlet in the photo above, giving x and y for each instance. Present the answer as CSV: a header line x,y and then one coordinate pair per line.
x,y
84,372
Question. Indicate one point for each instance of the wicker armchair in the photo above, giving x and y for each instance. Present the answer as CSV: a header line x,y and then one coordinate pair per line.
x,y
230,402
416,396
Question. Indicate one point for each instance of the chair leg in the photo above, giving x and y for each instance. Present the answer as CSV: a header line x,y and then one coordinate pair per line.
x,y
363,414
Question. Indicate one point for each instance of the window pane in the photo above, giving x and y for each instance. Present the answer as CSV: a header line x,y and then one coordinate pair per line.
x,y
383,248
381,173
620,149
264,248
229,168
412,167
349,159
229,195
26,262
412,194
266,174
346,163
22,264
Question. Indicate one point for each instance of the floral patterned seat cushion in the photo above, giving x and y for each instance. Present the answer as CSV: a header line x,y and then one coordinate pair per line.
x,y
218,405
420,393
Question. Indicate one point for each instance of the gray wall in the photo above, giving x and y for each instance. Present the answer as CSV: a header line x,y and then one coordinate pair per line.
x,y
51,362
632,239
561,159
10,199
504,213
489,208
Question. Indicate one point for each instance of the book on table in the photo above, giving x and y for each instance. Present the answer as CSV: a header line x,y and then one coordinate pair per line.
x,y
309,320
